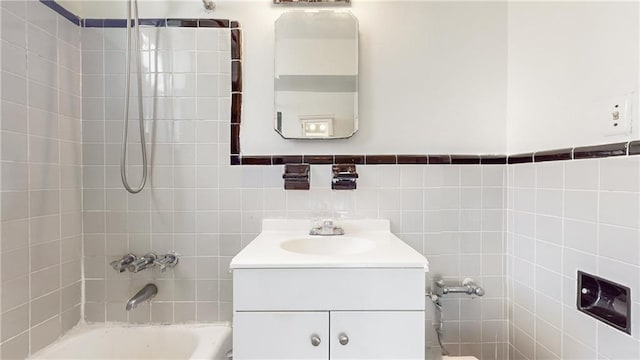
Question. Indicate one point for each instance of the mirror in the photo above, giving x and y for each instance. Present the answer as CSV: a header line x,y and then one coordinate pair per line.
x,y
316,75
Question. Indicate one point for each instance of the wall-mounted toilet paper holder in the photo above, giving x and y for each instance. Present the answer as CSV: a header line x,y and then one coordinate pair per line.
x,y
605,300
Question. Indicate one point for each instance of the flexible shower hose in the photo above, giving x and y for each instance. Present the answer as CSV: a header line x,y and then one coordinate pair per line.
x,y
125,128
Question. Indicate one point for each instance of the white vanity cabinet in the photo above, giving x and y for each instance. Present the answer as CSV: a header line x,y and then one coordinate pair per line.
x,y
337,314
357,296
336,335
281,335
377,335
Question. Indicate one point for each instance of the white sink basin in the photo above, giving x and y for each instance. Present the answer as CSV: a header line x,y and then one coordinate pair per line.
x,y
286,243
329,245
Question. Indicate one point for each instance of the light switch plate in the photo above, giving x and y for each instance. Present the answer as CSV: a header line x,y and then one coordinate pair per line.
x,y
617,115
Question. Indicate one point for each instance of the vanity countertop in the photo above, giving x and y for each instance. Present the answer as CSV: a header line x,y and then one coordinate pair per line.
x,y
286,243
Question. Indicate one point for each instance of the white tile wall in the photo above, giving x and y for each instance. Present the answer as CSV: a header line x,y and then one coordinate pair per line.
x,y
41,244
564,217
179,209
463,237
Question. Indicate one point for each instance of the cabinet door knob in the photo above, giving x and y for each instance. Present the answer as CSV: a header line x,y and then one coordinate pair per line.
x,y
343,338
315,340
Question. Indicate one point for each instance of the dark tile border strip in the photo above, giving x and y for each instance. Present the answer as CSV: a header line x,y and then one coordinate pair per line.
x,y
238,159
62,11
191,23
634,147
92,23
235,140
349,159
585,152
236,76
465,159
157,22
493,159
439,159
236,44
153,22
598,151
236,108
380,159
256,160
317,159
186,23
520,158
286,159
214,23
553,155
412,159
115,23
121,23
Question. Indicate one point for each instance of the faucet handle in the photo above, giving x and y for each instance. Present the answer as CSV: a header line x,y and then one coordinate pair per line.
x,y
122,264
166,261
142,262
327,227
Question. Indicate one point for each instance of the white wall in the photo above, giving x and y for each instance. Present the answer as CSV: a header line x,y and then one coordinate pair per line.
x,y
440,91
566,60
435,84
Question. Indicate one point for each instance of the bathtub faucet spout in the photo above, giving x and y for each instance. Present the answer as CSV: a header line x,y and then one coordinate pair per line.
x,y
145,294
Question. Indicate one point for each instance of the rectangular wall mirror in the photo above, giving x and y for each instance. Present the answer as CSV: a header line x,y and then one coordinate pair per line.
x,y
316,75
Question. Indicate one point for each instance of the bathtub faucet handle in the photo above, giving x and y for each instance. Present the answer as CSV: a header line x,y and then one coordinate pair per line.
x,y
166,261
142,262
122,264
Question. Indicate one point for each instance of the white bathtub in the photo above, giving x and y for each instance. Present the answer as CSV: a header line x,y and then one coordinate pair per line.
x,y
102,341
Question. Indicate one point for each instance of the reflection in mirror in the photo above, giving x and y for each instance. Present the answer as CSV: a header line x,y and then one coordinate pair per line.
x,y
316,75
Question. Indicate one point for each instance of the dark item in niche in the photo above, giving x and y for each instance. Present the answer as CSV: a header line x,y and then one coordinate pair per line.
x,y
605,300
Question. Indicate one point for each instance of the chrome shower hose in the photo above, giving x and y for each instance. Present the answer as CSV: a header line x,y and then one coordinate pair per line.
x,y
125,128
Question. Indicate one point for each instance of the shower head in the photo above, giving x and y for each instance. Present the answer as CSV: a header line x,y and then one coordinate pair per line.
x,y
209,5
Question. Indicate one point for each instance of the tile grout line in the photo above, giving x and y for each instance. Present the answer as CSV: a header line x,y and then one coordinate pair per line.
x,y
60,213
30,234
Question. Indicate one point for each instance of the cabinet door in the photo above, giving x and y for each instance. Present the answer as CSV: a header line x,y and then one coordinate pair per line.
x,y
281,335
377,335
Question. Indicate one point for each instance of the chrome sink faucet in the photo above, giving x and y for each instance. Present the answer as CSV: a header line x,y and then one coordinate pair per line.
x,y
145,294
327,228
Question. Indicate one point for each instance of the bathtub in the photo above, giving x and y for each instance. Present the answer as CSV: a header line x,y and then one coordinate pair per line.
x,y
141,342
